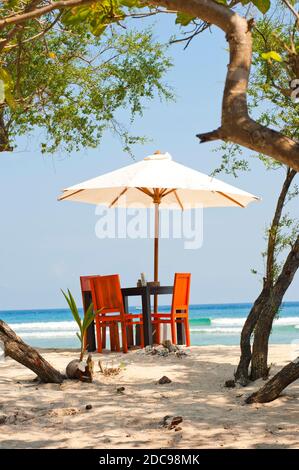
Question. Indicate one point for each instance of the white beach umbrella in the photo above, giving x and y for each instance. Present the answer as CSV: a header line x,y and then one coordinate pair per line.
x,y
157,181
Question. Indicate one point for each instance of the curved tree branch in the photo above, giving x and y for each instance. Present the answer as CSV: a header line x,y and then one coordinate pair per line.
x,y
292,9
236,124
273,388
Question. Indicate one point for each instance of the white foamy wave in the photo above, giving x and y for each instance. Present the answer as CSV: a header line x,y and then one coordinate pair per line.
x,y
45,326
49,334
223,331
228,321
285,321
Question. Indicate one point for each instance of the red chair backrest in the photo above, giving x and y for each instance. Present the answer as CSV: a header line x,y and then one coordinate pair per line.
x,y
106,294
85,283
181,292
86,290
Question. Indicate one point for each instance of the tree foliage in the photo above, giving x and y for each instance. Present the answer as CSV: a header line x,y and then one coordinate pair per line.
x,y
72,84
236,18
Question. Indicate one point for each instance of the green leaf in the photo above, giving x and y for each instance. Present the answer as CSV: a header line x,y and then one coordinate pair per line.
x,y
131,3
183,19
79,336
2,92
272,55
9,98
73,307
75,310
262,5
98,29
88,318
6,88
76,15
6,77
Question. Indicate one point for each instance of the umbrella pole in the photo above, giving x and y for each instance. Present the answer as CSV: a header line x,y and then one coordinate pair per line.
x,y
156,254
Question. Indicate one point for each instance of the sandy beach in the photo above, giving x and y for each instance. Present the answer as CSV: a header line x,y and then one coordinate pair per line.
x,y
55,416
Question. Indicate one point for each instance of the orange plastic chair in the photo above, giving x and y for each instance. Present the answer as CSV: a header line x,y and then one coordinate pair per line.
x,y
107,297
179,308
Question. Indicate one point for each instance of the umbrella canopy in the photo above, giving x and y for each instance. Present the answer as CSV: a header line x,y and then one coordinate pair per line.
x,y
158,181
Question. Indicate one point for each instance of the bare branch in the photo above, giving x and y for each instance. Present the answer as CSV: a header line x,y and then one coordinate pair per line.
x,y
38,35
210,136
292,9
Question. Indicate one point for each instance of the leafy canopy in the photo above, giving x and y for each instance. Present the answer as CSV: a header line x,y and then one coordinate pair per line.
x,y
51,79
73,84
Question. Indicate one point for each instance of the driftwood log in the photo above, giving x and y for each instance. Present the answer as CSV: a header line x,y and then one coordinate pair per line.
x,y
273,388
21,352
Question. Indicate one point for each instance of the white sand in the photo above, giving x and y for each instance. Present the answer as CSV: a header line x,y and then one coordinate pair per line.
x,y
54,416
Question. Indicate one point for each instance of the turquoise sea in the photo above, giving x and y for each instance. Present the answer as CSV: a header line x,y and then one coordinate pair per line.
x,y
210,324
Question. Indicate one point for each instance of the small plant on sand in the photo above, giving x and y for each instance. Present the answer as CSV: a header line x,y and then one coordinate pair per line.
x,y
82,324
111,370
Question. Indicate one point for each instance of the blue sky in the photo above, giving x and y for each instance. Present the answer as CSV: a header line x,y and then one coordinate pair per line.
x,y
47,245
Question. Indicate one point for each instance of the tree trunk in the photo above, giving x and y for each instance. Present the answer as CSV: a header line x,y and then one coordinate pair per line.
x,y
256,312
277,384
259,361
28,356
242,372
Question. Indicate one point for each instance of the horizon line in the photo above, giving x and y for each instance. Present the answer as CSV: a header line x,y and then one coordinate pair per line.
x,y
139,306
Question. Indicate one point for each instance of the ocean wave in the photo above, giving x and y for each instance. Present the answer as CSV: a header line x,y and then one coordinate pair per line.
x,y
49,334
45,326
222,331
285,321
67,329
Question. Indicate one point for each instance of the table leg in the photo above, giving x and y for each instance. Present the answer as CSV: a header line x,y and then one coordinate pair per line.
x,y
137,335
90,334
126,303
130,335
180,333
147,321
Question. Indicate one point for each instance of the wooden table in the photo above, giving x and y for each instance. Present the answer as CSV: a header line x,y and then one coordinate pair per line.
x,y
145,293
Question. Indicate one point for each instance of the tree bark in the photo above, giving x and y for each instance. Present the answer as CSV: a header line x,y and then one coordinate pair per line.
x,y
28,356
242,372
272,389
272,238
262,302
259,361
236,124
